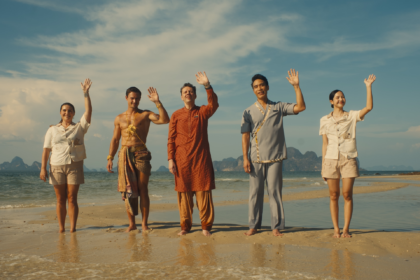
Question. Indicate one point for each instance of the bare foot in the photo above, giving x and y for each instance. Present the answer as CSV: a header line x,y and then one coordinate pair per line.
x,y
276,232
73,230
336,234
346,235
145,227
250,232
130,228
183,232
206,232
61,230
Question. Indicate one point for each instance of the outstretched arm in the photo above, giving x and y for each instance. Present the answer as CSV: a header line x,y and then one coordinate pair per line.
x,y
88,105
245,149
294,81
369,102
163,117
115,142
212,99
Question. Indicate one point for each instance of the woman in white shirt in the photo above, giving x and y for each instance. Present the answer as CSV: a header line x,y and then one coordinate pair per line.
x,y
339,153
65,142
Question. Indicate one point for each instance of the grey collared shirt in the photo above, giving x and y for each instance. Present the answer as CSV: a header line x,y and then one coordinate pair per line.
x,y
266,130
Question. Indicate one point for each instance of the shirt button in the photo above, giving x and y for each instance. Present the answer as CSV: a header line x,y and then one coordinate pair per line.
x,y
338,144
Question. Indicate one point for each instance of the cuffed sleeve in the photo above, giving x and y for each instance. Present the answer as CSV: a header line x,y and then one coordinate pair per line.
x,y
171,138
356,115
84,124
48,139
323,126
212,105
287,108
246,123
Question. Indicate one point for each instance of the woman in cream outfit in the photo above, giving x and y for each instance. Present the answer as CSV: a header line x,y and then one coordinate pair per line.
x,y
339,153
65,142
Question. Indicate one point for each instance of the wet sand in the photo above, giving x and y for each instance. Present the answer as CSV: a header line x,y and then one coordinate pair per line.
x,y
30,246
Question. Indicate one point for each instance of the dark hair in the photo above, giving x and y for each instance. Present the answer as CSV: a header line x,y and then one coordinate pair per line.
x,y
259,77
332,94
132,89
189,85
68,104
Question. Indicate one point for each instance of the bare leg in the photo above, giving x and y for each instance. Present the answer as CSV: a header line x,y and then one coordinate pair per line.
x,y
334,187
348,204
144,199
251,231
131,221
61,194
72,191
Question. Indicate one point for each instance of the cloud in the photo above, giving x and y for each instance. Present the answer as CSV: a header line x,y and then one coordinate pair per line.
x,y
416,146
97,135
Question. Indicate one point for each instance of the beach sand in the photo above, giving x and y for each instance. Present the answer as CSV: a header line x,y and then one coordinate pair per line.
x,y
32,248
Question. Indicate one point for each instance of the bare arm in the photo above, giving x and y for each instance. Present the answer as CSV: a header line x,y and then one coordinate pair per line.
x,y
369,102
245,149
45,156
324,149
88,105
294,81
162,117
115,142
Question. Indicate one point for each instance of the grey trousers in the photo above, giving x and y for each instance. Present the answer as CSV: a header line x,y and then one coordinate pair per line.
x,y
270,173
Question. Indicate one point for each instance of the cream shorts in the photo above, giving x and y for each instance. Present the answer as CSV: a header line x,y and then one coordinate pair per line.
x,y
333,168
71,174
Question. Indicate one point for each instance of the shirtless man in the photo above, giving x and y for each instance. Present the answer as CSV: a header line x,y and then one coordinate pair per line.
x,y
134,157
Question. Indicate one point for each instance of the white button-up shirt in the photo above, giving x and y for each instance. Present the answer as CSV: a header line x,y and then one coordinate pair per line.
x,y
341,134
67,144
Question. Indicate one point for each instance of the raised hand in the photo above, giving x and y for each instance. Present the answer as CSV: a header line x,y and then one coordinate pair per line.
x,y
369,81
153,94
293,77
202,78
86,85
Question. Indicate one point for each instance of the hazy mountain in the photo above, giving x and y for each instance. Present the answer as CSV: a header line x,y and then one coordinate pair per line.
x,y
390,168
17,164
162,169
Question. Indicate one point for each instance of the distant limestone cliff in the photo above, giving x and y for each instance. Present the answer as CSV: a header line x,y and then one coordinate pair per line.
x,y
295,162
17,164
162,169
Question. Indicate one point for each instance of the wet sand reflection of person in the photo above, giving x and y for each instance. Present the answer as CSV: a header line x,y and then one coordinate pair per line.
x,y
141,249
68,252
341,267
186,255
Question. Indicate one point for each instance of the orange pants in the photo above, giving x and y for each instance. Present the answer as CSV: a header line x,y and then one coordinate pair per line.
x,y
205,207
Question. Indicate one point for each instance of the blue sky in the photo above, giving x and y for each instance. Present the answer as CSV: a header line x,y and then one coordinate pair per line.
x,y
49,47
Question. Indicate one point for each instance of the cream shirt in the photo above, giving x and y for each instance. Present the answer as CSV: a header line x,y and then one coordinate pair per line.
x,y
67,144
341,134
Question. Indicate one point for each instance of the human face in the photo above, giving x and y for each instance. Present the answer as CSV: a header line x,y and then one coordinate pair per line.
x,y
67,113
133,100
339,100
188,95
260,89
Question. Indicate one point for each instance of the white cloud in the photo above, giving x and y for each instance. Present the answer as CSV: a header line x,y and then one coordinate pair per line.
x,y
416,146
97,135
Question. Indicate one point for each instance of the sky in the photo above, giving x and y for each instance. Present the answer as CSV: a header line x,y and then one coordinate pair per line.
x,y
49,46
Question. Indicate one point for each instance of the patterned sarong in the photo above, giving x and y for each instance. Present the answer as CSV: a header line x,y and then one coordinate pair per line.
x,y
132,161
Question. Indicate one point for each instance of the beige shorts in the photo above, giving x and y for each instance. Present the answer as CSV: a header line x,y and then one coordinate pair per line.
x,y
333,168
71,174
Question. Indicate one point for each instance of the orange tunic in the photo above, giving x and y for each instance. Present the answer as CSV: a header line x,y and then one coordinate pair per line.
x,y
188,146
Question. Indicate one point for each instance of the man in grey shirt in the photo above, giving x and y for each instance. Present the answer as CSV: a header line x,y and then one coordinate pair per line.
x,y
262,125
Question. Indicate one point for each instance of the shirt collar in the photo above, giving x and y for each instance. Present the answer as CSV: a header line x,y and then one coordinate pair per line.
x,y
59,124
345,115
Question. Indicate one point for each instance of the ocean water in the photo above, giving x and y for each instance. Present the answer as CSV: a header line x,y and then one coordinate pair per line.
x,y
21,190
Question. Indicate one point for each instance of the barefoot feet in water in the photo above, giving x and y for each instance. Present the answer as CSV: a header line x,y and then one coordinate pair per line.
x,y
250,232
206,232
276,232
183,232
130,228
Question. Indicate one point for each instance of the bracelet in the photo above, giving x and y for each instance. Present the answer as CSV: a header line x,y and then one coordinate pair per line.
x,y
158,105
109,157
207,86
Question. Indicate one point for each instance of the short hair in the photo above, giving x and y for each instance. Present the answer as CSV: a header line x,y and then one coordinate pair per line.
x,y
132,89
332,94
259,77
189,85
68,104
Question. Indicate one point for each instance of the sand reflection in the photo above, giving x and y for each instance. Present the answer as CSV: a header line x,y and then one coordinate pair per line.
x,y
68,248
341,265
141,248
199,254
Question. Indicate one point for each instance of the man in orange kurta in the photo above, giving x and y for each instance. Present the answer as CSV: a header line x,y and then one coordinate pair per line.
x,y
189,155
